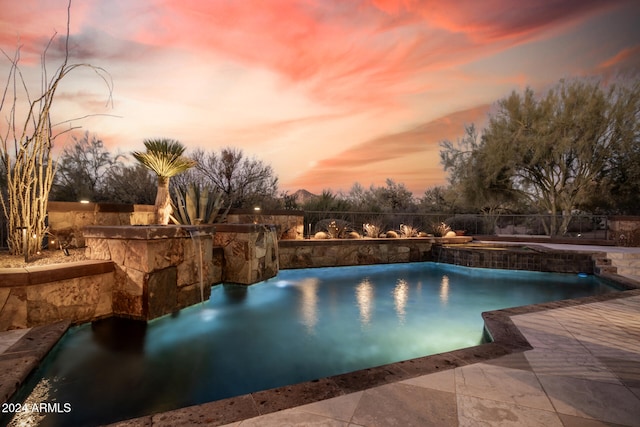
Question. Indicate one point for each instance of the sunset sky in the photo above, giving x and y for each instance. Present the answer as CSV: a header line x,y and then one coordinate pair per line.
x,y
328,92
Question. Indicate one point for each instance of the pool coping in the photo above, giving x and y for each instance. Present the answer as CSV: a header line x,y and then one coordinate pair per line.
x,y
21,359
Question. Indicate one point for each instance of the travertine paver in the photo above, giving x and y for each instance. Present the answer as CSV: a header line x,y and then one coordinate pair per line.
x,y
9,338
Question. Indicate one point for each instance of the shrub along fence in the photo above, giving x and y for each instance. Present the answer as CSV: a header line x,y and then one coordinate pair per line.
x,y
580,226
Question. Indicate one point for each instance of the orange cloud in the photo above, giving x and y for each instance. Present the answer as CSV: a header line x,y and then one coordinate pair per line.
x,y
403,156
626,57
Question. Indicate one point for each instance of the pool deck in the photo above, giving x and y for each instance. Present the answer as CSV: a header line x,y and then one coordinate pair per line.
x,y
569,363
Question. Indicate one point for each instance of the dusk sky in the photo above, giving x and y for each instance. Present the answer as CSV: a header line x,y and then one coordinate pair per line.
x,y
328,92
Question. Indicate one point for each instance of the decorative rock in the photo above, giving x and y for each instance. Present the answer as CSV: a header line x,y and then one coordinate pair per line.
x,y
321,235
353,235
392,234
450,234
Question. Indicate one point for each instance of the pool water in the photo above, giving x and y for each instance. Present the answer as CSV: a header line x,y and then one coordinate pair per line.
x,y
301,325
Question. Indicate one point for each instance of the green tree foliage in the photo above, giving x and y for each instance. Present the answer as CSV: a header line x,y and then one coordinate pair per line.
x,y
555,150
470,188
393,197
557,147
165,158
82,170
438,199
327,202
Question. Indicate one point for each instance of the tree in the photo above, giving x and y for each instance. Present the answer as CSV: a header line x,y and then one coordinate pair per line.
x,y
164,157
436,200
129,184
245,182
326,202
471,189
394,197
25,148
82,169
554,149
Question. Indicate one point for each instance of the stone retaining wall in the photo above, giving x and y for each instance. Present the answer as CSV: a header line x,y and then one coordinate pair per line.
x,y
250,252
289,224
157,268
531,257
340,252
68,219
78,291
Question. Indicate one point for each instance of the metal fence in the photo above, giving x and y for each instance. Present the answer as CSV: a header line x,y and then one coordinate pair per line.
x,y
583,226
4,235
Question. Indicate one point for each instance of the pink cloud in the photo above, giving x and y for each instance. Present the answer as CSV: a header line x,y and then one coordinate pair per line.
x,y
352,53
493,20
624,58
388,156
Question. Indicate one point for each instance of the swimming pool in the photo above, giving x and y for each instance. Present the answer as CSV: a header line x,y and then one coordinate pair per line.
x,y
299,326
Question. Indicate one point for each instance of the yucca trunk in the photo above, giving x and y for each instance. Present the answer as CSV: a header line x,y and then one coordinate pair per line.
x,y
163,201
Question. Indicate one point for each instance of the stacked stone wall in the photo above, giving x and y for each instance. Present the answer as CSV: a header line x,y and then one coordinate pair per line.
x,y
157,269
33,296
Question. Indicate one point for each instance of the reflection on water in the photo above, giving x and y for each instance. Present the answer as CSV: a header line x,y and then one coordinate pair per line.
x,y
120,335
400,297
444,290
309,306
364,296
40,394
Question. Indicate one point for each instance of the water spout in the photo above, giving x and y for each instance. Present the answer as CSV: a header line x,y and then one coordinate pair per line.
x,y
194,233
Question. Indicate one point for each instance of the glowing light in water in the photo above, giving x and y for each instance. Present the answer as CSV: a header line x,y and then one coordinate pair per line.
x,y
364,296
400,297
444,290
309,306
208,314
282,283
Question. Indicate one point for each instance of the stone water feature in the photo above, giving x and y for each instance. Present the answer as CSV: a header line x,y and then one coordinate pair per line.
x,y
161,269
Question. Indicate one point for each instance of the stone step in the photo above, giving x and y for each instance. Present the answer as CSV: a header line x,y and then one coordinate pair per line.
x,y
628,264
606,269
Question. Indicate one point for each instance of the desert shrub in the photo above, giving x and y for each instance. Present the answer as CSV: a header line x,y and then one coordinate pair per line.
x,y
335,228
408,230
440,229
372,229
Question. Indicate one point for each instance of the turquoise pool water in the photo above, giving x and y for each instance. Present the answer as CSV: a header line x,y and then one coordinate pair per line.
x,y
299,326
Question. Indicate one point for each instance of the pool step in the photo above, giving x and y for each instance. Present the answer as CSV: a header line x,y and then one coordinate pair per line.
x,y
626,264
603,264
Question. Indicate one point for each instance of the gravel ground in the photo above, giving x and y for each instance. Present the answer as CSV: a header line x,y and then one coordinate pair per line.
x,y
46,257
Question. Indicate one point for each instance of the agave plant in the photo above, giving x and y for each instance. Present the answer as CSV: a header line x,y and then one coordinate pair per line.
x,y
197,206
164,157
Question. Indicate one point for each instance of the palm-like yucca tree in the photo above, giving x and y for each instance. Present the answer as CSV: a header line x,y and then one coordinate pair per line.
x,y
164,157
